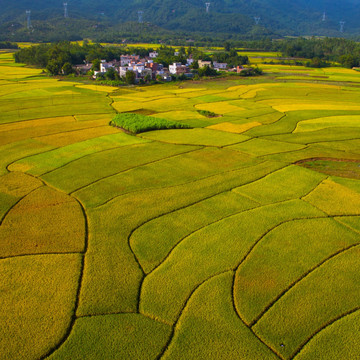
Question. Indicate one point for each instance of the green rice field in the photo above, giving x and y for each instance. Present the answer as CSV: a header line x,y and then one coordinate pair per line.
x,y
232,237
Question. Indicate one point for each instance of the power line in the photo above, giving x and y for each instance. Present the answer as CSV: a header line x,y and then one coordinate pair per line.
x,y
66,15
28,14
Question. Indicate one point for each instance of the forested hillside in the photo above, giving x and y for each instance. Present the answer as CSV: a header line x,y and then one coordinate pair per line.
x,y
303,17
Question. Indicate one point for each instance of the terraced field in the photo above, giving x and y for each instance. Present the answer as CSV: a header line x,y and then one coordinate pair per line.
x,y
236,239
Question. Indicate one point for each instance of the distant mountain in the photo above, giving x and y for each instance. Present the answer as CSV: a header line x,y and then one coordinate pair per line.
x,y
301,17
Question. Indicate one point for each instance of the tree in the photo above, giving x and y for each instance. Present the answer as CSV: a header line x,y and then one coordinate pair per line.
x,y
227,46
111,74
130,77
54,67
207,71
147,78
67,69
96,65
195,65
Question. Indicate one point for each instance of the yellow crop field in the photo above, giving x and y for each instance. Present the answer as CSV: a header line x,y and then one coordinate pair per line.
x,y
37,301
333,121
103,88
237,237
219,107
343,201
234,128
47,221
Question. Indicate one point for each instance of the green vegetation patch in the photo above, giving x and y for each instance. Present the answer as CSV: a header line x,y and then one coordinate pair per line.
x,y
207,113
37,298
121,336
137,123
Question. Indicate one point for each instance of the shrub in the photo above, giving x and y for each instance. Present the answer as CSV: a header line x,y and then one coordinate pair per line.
x,y
207,113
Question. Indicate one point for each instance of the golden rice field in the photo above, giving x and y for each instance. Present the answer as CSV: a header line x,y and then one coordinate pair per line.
x,y
236,239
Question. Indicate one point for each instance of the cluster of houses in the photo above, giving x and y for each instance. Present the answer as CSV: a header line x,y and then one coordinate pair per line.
x,y
148,68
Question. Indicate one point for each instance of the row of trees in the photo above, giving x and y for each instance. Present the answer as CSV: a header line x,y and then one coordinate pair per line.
x,y
8,45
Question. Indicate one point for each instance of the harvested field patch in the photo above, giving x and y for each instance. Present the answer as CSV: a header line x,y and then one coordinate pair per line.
x,y
335,167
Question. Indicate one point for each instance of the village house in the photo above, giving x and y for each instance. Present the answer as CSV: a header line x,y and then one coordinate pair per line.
x,y
219,66
178,69
153,54
104,67
239,69
189,61
204,63
83,68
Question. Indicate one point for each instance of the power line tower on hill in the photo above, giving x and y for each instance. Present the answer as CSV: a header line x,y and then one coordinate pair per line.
x,y
140,16
207,4
324,16
28,14
342,23
66,15
257,20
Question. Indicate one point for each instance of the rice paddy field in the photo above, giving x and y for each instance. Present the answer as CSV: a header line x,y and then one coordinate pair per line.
x,y
236,239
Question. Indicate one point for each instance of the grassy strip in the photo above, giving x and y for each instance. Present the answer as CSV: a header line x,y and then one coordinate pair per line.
x,y
136,123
